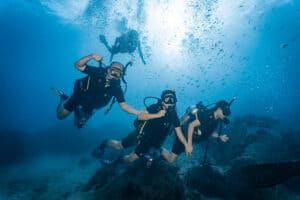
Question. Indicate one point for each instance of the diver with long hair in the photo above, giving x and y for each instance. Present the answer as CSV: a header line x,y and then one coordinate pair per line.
x,y
199,124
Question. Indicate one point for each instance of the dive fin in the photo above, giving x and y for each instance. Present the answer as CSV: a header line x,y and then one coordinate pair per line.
x,y
59,93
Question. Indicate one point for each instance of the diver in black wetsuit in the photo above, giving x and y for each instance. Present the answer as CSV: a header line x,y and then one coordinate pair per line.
x,y
127,42
198,125
94,91
152,128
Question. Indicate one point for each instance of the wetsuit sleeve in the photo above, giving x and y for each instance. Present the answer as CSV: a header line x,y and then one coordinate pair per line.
x,y
118,93
153,108
89,70
175,120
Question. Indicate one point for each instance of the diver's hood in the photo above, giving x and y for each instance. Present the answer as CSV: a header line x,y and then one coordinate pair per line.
x,y
225,106
166,93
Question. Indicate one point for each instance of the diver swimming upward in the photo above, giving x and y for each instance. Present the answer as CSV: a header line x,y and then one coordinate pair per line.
x,y
127,42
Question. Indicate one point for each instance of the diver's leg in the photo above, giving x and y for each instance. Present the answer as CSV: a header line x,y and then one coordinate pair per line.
x,y
81,116
115,49
141,149
103,40
111,57
130,157
177,149
99,151
61,111
126,142
170,157
115,144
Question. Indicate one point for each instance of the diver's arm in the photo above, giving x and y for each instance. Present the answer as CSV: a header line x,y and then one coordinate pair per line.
x,y
81,64
128,108
180,136
188,149
191,128
113,49
145,115
104,41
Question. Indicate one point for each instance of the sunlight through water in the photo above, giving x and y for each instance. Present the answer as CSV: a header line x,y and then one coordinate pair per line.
x,y
167,26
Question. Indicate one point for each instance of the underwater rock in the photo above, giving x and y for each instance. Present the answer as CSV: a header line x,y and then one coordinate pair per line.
x,y
291,147
137,182
257,121
293,184
240,181
262,133
241,138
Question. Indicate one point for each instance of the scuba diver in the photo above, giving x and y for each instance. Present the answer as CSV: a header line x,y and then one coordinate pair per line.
x,y
127,42
93,91
152,127
198,124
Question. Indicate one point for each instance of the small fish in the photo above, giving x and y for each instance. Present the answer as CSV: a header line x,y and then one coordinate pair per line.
x,y
284,45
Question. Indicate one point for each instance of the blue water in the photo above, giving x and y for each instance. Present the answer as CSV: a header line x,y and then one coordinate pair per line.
x,y
207,51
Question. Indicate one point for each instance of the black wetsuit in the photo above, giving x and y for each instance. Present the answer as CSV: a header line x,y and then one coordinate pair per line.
x,y
207,126
154,132
90,92
126,43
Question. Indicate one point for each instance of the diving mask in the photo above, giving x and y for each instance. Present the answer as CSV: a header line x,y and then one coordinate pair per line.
x,y
169,99
115,72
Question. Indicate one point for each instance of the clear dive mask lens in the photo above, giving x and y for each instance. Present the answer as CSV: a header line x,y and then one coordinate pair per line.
x,y
115,72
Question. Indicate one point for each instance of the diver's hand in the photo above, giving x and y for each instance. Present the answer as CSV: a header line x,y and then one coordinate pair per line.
x,y
139,112
189,149
161,113
224,138
144,115
215,135
96,57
